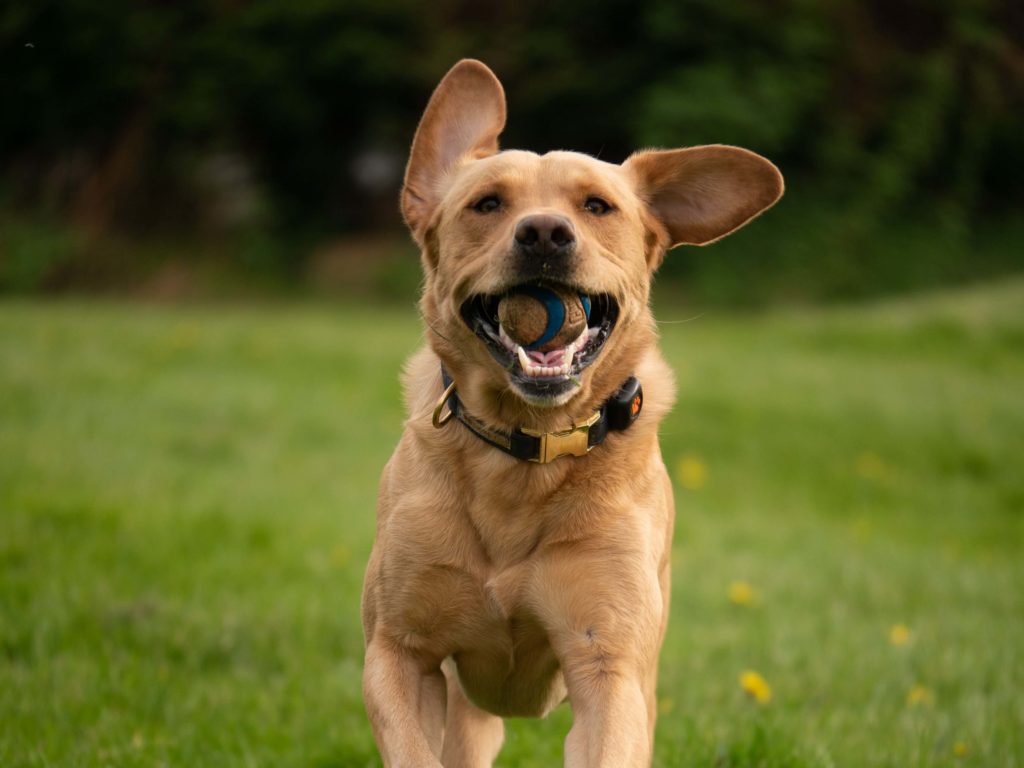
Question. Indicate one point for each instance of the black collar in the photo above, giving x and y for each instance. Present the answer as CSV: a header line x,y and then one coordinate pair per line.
x,y
617,413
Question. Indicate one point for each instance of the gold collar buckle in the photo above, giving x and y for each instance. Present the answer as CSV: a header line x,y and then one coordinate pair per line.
x,y
570,442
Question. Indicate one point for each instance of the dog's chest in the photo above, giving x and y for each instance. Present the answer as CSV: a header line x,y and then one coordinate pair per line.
x,y
465,575
512,512
508,666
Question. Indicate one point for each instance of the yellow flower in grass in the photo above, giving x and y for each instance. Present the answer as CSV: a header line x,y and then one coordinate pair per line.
x,y
756,687
741,593
920,696
899,634
692,472
960,749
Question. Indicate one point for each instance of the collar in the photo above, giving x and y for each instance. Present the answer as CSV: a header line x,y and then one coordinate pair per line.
x,y
617,413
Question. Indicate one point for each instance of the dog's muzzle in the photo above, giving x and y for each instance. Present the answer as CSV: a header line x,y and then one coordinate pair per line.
x,y
541,376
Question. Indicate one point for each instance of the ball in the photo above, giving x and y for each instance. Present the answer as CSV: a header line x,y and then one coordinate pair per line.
x,y
542,318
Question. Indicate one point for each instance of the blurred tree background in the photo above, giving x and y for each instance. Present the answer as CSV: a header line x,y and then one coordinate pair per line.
x,y
182,147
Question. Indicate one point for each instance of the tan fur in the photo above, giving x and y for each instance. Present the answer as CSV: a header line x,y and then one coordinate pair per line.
x,y
499,587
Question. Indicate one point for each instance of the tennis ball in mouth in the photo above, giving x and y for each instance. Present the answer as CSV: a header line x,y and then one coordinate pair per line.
x,y
543,318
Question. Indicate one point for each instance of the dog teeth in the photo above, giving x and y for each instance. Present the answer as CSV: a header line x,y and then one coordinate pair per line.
x,y
532,369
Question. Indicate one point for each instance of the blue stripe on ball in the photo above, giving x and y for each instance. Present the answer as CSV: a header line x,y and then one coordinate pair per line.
x,y
585,301
555,312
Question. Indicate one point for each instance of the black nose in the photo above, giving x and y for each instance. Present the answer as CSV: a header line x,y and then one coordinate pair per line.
x,y
545,235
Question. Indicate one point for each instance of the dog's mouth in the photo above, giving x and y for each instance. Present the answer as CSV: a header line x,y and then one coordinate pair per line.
x,y
541,376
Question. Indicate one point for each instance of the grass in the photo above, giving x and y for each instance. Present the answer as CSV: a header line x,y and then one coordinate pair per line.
x,y
186,506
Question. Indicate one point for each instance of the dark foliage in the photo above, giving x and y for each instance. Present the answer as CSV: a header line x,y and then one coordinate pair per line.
x,y
889,118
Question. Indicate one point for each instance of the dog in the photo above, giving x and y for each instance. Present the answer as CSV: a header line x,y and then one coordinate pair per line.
x,y
524,521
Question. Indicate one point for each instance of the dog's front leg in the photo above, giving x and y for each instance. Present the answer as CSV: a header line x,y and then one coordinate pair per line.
x,y
606,635
611,721
406,704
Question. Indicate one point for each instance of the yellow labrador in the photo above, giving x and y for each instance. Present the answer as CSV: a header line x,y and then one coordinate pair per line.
x,y
524,522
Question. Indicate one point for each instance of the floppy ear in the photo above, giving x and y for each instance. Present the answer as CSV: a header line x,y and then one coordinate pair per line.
x,y
701,194
462,120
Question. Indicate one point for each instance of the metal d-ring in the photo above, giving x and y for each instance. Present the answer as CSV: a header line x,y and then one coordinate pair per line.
x,y
438,420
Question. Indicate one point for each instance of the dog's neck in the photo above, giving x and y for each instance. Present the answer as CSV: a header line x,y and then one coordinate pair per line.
x,y
617,413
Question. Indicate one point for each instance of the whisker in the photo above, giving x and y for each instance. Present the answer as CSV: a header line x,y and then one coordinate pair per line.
x,y
434,329
678,322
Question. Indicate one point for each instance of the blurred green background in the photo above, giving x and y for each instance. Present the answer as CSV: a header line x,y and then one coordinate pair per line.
x,y
206,295
181,148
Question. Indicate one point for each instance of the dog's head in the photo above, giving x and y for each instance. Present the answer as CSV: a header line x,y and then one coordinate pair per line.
x,y
489,222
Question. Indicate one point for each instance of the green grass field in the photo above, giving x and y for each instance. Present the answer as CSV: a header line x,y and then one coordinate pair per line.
x,y
186,506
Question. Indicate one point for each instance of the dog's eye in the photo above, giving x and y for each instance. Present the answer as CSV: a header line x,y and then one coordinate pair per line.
x,y
487,204
597,206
